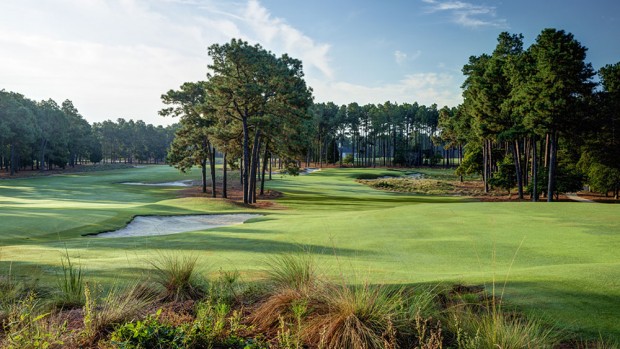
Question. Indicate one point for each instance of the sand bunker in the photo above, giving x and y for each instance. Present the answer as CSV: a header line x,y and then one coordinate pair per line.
x,y
185,183
165,225
308,170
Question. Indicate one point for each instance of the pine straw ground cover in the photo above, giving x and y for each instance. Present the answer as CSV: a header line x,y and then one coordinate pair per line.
x,y
294,307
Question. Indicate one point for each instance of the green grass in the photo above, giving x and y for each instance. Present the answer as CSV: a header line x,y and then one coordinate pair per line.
x,y
566,269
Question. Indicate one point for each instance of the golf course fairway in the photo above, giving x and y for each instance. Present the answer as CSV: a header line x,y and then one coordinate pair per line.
x,y
557,261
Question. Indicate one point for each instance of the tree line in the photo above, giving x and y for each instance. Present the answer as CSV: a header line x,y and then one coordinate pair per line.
x,y
255,107
373,135
44,135
533,118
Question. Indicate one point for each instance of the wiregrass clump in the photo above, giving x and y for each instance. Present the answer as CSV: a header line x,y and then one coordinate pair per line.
x,y
305,309
119,305
292,280
496,329
178,277
70,291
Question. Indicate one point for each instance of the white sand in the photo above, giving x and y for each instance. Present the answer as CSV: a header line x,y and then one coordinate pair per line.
x,y
165,225
308,170
185,183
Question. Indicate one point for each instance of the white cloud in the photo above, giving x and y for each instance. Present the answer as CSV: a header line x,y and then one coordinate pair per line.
x,y
424,88
467,14
401,57
115,58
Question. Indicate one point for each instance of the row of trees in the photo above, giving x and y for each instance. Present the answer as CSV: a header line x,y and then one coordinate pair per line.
x,y
42,135
531,117
385,134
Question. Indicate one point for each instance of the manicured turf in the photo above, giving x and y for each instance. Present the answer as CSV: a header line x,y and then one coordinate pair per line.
x,y
566,255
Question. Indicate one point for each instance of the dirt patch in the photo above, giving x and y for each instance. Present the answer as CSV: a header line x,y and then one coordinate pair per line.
x,y
166,225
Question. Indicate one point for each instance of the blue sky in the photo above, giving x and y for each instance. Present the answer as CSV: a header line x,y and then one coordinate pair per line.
x,y
114,58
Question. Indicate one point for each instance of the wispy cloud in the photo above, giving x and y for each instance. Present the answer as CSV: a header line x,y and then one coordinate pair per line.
x,y
424,88
401,57
467,14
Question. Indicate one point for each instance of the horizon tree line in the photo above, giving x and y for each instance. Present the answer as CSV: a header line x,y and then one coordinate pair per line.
x,y
44,135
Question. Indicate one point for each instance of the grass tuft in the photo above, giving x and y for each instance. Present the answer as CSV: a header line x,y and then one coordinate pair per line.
x,y
358,317
70,292
496,329
297,272
178,277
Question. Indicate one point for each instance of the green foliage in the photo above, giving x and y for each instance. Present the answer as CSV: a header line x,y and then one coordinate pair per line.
x,y
505,176
472,161
27,328
348,159
149,333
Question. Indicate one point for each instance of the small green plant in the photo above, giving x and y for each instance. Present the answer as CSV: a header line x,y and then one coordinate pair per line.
x,y
348,159
149,333
70,284
178,277
117,306
495,329
25,328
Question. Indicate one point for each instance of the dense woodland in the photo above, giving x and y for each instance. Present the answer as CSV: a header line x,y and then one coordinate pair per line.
x,y
44,135
535,119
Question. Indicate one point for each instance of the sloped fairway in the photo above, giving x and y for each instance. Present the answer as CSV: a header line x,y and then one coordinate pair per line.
x,y
560,260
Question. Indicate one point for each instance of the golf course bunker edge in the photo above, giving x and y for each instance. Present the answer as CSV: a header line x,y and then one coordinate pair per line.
x,y
167,225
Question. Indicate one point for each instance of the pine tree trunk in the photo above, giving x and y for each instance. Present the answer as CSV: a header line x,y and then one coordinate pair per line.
x,y
485,162
534,170
246,160
225,178
517,160
552,166
212,165
265,159
12,161
253,168
203,170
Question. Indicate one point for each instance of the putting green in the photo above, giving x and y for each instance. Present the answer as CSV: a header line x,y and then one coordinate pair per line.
x,y
560,260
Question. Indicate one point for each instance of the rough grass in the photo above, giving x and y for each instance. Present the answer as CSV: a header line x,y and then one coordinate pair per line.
x,y
410,185
567,268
